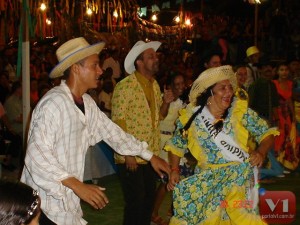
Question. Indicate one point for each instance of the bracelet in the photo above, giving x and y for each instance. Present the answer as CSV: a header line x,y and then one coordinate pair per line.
x,y
176,169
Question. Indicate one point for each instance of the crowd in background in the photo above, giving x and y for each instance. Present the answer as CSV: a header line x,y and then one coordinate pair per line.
x,y
188,64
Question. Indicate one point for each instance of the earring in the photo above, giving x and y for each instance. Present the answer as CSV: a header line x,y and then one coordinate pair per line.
x,y
208,102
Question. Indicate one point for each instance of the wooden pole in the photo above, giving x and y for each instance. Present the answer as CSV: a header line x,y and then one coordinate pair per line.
x,y
25,69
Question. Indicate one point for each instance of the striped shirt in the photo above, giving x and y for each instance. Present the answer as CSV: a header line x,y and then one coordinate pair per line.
x,y
58,138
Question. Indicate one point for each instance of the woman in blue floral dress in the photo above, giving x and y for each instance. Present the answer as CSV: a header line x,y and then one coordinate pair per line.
x,y
215,127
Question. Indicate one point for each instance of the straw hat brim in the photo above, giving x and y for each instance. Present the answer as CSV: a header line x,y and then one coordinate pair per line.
x,y
135,52
210,77
75,57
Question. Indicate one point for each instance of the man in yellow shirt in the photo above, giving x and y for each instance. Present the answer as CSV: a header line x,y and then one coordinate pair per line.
x,y
137,107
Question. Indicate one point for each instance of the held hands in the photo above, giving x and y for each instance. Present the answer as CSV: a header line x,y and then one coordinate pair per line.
x,y
173,180
160,165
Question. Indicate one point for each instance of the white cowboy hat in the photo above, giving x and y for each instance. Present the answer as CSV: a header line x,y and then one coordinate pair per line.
x,y
72,52
210,77
136,50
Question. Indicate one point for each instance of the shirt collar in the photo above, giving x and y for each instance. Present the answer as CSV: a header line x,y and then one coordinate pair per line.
x,y
142,79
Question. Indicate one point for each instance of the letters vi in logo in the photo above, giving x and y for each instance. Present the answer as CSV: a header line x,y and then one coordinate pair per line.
x,y
277,206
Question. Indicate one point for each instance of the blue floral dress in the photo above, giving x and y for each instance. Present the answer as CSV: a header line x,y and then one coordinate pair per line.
x,y
219,191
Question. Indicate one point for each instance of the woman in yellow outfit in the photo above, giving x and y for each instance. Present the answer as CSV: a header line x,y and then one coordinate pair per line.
x,y
215,127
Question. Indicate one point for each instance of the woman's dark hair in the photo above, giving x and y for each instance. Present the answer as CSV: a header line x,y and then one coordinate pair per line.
x,y
201,101
171,77
281,64
107,74
237,66
170,82
276,76
19,203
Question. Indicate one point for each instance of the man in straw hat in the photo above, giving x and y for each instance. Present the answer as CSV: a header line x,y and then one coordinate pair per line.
x,y
253,55
64,124
215,127
137,106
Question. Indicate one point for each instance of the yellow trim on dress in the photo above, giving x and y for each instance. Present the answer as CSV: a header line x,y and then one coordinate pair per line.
x,y
239,108
176,151
273,130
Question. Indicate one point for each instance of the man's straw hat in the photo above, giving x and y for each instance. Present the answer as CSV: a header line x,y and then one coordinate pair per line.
x,y
210,77
251,51
136,50
72,52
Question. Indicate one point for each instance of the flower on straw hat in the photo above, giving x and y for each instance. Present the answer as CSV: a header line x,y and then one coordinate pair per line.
x,y
251,51
210,77
72,52
136,50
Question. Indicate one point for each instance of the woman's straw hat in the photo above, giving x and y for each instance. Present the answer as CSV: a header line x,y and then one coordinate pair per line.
x,y
210,77
72,52
136,50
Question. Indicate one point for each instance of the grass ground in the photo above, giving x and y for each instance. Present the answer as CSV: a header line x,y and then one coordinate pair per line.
x,y
113,213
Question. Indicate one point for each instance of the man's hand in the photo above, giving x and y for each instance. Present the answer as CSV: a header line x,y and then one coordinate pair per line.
x,y
89,193
131,163
160,165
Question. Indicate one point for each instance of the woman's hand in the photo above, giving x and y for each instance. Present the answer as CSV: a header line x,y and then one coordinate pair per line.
x,y
257,159
258,156
173,180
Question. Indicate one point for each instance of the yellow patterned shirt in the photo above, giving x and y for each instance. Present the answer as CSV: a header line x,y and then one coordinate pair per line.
x,y
136,108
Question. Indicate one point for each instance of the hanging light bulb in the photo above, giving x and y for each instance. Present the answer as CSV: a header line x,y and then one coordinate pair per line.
x,y
188,22
48,21
254,1
43,7
177,19
115,13
154,17
89,11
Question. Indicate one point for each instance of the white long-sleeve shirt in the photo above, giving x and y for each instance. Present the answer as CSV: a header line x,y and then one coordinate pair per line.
x,y
58,139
